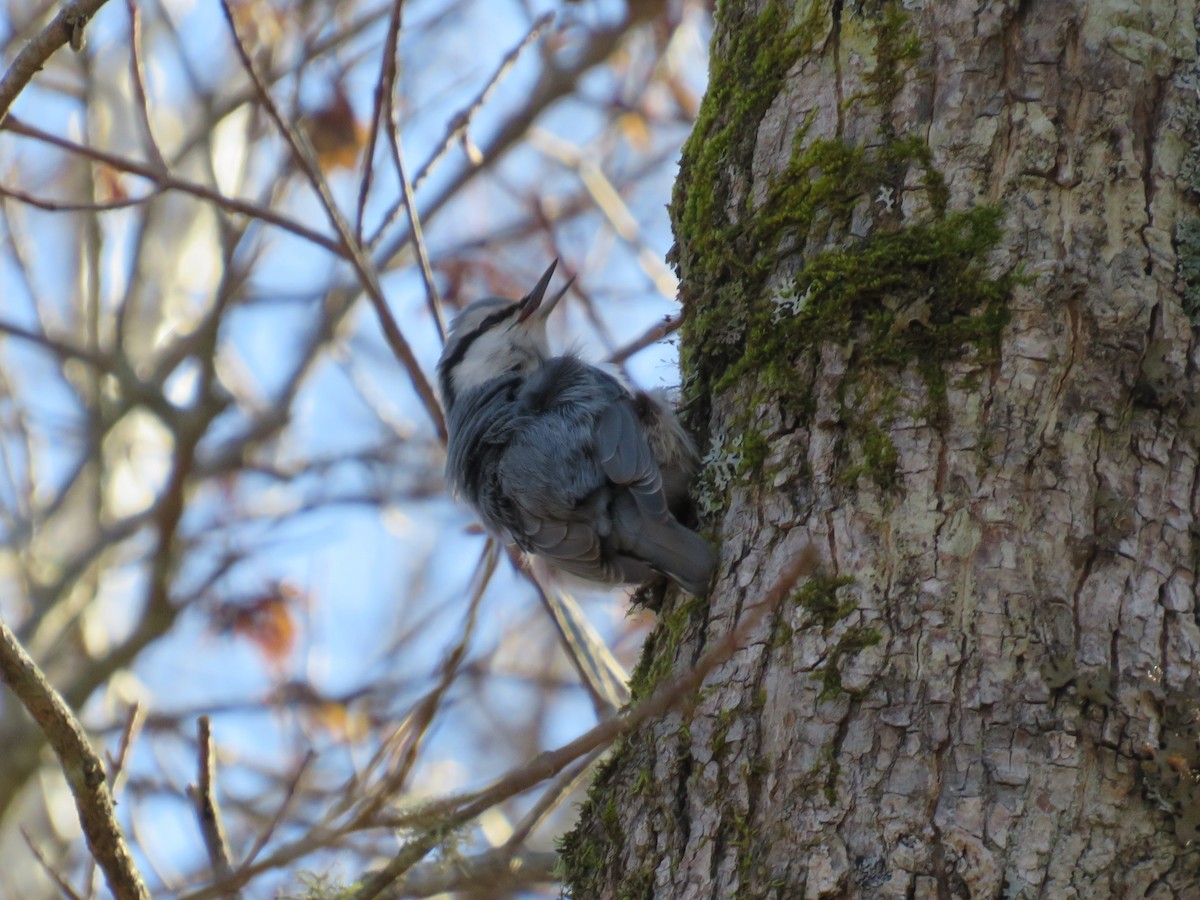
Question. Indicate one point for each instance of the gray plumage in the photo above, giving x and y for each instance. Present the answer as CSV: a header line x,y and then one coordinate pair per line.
x,y
560,457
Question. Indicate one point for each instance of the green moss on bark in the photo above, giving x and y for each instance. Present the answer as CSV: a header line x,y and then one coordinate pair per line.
x,y
910,292
849,243
1187,249
659,651
589,852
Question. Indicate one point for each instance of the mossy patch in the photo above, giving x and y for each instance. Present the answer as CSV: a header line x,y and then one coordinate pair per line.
x,y
659,650
1187,249
745,77
588,852
897,292
855,639
818,596
1171,770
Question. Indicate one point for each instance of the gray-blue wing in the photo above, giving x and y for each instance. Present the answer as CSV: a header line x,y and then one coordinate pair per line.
x,y
592,500
626,458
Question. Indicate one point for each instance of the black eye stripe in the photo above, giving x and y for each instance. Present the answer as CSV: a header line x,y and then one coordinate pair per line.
x,y
446,366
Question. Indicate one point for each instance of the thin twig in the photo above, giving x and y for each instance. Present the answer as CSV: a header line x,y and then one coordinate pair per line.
x,y
457,129
66,27
280,811
57,877
139,83
116,765
555,82
61,349
385,110
417,723
208,812
460,123
454,811
168,182
383,88
668,325
83,768
369,279
432,299
58,206
564,783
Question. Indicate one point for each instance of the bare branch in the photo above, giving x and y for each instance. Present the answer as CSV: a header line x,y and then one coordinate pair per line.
x,y
457,131
414,223
293,784
454,811
383,88
59,206
667,326
54,875
116,765
80,764
461,122
204,798
66,27
168,182
363,267
566,781
61,349
556,83
139,83
417,723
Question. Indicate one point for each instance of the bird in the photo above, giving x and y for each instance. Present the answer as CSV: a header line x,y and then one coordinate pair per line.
x,y
562,459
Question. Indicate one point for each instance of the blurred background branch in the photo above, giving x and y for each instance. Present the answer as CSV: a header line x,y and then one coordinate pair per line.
x,y
220,474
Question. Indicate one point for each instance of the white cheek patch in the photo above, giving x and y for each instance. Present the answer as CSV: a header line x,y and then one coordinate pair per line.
x,y
492,354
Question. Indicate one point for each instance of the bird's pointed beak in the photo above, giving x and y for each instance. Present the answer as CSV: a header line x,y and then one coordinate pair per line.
x,y
548,306
532,302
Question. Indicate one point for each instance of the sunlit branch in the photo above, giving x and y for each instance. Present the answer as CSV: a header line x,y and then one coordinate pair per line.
x,y
83,769
67,27
602,676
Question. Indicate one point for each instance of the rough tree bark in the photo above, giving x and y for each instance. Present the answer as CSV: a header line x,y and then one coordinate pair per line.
x,y
940,266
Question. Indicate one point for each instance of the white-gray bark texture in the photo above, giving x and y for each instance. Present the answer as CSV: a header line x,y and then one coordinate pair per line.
x,y
941,271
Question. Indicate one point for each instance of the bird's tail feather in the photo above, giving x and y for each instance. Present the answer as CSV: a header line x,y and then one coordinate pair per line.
x,y
679,553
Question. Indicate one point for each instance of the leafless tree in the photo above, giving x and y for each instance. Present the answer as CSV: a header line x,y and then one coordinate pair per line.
x,y
237,603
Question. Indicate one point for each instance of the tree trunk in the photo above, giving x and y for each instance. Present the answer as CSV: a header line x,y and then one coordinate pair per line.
x,y
940,266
